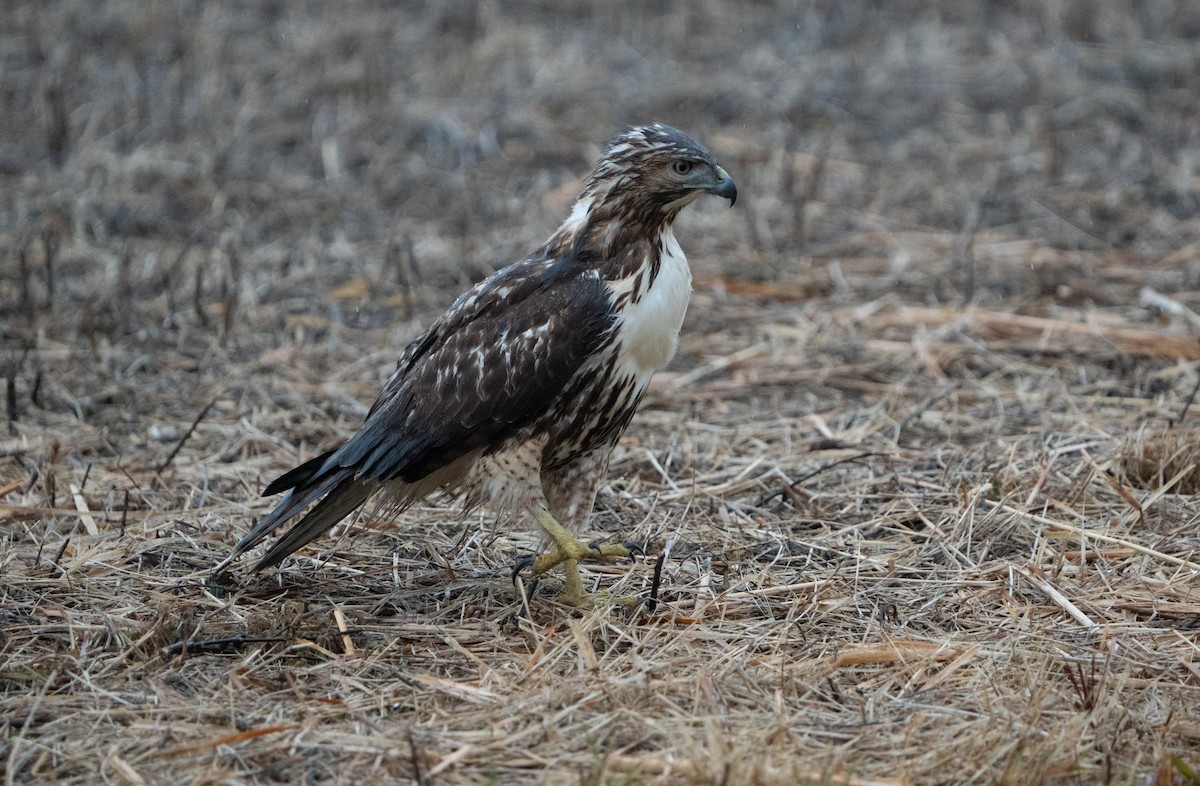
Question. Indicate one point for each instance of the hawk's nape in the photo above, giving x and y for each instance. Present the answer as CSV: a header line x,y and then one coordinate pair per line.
x,y
516,396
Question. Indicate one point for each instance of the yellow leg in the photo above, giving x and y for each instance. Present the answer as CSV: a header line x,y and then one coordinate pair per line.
x,y
572,593
568,551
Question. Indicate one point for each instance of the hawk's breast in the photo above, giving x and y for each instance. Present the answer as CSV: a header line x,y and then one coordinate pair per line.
x,y
651,309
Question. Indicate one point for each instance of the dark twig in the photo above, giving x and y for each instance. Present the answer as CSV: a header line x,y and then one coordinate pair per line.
x,y
920,409
50,248
833,464
198,297
1187,403
232,289
61,550
10,393
656,582
124,512
795,484
965,251
33,472
26,276
209,646
178,445
125,290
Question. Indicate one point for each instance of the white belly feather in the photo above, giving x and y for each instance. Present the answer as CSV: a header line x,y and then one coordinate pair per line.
x,y
649,329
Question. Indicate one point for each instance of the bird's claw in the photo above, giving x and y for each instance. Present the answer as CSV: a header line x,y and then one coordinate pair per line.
x,y
524,561
568,551
597,551
634,548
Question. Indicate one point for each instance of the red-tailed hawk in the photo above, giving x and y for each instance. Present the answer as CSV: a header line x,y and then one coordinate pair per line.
x,y
516,395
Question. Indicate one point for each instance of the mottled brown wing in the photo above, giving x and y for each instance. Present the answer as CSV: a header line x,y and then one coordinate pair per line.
x,y
488,369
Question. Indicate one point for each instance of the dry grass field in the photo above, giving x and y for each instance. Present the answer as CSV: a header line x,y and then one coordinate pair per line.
x,y
923,472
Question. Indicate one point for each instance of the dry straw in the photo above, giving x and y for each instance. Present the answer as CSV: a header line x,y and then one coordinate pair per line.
x,y
922,474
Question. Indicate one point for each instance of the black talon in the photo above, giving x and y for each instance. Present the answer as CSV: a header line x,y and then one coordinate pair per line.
x,y
633,547
595,547
527,596
523,562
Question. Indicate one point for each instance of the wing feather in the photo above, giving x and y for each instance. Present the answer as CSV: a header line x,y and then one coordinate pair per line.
x,y
487,378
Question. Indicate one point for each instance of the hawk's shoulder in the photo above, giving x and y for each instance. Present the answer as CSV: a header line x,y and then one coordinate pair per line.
x,y
501,293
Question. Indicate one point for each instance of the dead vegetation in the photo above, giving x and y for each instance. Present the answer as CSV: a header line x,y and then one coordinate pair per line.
x,y
923,472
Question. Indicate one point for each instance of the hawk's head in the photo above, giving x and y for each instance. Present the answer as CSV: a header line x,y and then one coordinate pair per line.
x,y
648,174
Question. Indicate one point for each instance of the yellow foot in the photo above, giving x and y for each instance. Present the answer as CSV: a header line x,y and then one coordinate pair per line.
x,y
596,600
568,551
575,551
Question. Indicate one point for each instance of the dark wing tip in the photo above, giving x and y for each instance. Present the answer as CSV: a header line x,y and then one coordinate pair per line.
x,y
298,476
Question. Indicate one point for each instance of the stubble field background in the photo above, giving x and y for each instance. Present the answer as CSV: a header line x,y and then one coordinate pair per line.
x,y
923,470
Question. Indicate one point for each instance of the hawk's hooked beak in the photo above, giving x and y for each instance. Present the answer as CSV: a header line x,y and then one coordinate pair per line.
x,y
724,187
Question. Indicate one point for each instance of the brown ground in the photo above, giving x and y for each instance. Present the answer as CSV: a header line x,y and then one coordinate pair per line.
x,y
923,468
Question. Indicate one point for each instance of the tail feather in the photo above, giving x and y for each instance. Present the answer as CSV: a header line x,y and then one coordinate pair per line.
x,y
342,499
289,507
298,476
341,492
306,483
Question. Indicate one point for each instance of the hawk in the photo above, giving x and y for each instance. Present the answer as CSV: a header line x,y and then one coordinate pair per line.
x,y
516,396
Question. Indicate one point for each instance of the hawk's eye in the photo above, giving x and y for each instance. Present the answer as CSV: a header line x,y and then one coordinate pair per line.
x,y
682,168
